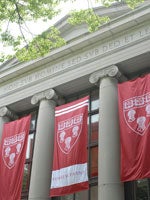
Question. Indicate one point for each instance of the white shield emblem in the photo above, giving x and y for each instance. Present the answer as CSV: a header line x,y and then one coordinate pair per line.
x,y
137,113
12,147
68,132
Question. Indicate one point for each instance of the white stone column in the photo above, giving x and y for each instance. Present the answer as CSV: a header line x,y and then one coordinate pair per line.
x,y
43,147
109,185
5,116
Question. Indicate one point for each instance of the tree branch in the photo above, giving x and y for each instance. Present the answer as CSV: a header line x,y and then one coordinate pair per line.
x,y
20,19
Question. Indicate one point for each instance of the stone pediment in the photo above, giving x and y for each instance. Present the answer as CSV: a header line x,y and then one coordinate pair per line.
x,y
71,33
8,64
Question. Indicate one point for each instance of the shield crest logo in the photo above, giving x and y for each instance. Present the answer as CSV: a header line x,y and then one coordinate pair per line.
x,y
137,113
12,147
68,132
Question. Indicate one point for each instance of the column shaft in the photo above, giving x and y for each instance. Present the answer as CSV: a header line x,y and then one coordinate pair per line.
x,y
43,152
110,186
3,120
5,116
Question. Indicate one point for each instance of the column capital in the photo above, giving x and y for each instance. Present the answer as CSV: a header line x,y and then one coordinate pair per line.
x,y
111,71
4,111
47,94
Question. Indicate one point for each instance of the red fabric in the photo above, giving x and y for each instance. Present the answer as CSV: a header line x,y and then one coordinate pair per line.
x,y
12,158
134,112
70,148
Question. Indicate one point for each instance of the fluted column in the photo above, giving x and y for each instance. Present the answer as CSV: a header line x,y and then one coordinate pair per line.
x,y
43,148
5,116
109,185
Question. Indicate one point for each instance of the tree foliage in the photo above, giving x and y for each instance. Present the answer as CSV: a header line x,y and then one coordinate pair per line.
x,y
22,11
41,45
88,16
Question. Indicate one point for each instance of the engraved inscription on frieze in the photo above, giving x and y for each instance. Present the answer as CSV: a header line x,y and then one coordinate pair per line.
x,y
95,52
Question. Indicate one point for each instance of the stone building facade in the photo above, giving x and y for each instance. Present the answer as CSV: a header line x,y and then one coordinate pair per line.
x,y
90,64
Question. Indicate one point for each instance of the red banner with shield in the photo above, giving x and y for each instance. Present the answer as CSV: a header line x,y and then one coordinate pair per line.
x,y
69,172
12,157
134,114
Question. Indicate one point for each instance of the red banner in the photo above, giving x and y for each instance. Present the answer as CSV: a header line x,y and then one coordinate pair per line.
x,y
12,158
134,111
69,173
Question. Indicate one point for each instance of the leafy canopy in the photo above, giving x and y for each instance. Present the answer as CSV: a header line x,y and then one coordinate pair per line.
x,y
19,12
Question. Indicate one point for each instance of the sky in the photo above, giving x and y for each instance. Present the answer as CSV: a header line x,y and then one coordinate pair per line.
x,y
37,28
65,9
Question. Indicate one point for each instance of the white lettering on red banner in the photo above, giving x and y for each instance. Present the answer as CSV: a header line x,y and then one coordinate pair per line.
x,y
70,122
14,139
136,101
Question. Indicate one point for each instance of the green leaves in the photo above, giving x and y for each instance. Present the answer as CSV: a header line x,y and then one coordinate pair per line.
x,y
20,11
132,4
88,16
41,45
27,9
